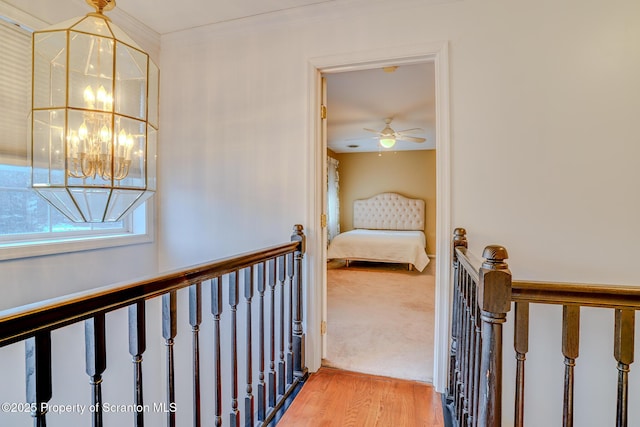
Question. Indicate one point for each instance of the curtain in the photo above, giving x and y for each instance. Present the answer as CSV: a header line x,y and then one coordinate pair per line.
x,y
333,200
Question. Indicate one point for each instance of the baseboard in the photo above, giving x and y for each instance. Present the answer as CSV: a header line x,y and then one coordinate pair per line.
x,y
284,405
447,411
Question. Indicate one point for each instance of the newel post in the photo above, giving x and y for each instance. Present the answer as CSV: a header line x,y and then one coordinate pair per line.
x,y
299,366
459,239
494,300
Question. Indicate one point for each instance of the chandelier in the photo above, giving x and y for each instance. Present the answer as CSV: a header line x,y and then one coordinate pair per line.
x,y
94,118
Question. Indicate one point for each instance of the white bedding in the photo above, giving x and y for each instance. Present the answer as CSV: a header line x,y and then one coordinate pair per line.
x,y
381,245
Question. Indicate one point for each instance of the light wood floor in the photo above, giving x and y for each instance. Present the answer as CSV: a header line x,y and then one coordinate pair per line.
x,y
332,397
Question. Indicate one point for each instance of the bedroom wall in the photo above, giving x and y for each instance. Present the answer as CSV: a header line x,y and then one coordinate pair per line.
x,y
410,173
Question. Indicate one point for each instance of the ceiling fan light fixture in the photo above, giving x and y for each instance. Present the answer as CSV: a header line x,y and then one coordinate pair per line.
x,y
387,141
387,137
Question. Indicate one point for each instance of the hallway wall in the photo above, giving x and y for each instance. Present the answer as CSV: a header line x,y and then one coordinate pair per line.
x,y
543,144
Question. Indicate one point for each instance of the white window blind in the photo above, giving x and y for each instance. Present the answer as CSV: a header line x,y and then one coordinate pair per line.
x,y
15,92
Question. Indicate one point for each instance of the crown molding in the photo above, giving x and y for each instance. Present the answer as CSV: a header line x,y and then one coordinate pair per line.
x,y
21,17
26,16
316,12
146,37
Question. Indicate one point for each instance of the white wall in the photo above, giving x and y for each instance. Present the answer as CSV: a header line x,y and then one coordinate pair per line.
x,y
544,100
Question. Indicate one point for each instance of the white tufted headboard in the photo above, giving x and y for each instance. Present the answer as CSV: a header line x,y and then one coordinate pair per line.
x,y
389,211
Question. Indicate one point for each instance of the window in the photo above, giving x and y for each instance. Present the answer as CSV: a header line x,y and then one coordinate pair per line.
x,y
29,226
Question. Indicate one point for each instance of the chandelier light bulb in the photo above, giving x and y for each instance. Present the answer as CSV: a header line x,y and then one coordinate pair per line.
x,y
122,137
105,135
124,145
89,98
83,132
102,94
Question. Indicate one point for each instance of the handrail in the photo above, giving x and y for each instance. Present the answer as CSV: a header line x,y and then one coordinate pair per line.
x,y
604,296
591,295
19,323
475,374
470,262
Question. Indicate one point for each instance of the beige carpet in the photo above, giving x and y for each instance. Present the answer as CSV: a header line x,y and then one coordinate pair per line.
x,y
380,319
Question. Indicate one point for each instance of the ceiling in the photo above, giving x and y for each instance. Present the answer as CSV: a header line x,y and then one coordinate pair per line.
x,y
364,99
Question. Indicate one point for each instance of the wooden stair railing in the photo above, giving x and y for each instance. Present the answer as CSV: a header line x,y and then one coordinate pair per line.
x,y
623,300
481,300
483,293
260,270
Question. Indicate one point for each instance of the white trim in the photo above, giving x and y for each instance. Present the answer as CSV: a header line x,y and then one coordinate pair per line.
x,y
52,244
443,222
323,206
147,38
138,31
22,18
316,262
41,248
316,256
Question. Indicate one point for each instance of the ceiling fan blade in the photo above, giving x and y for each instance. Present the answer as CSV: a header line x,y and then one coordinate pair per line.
x,y
371,130
412,130
411,138
360,138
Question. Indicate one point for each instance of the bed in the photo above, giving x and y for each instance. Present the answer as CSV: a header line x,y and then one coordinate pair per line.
x,y
388,227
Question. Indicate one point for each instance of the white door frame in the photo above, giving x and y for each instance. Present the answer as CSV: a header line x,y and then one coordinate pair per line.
x,y
316,250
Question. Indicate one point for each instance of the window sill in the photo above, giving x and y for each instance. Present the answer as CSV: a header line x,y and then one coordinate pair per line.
x,y
75,244
142,232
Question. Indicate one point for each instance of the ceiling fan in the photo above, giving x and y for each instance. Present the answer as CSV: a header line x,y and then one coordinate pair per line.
x,y
388,136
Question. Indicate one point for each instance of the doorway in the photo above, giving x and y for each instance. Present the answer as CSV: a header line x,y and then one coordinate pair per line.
x,y
316,297
374,309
